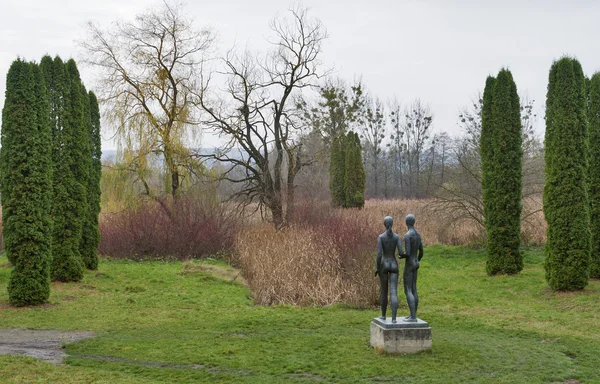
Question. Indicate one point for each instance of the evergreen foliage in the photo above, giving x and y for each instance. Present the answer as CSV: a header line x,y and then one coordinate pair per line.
x,y
67,208
25,173
594,172
566,207
355,179
501,154
92,238
90,235
337,171
588,89
485,150
346,171
485,144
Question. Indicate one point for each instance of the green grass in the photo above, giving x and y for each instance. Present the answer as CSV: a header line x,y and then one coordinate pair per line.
x,y
155,324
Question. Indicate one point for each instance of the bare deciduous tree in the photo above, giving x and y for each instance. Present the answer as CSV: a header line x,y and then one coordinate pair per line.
x,y
459,195
416,128
149,86
373,132
258,116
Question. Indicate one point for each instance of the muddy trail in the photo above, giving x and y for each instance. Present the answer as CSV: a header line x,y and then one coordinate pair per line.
x,y
46,345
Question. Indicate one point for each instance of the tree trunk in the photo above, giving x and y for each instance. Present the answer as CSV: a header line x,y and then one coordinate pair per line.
x,y
294,165
174,182
171,168
276,213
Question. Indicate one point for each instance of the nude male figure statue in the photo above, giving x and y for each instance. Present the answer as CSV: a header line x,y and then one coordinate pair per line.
x,y
413,255
387,267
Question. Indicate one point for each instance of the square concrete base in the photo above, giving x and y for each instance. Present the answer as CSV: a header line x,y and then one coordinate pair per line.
x,y
401,337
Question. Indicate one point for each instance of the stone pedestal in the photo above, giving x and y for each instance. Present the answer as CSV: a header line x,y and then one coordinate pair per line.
x,y
401,337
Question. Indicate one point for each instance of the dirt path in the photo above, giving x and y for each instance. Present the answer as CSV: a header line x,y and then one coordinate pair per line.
x,y
45,345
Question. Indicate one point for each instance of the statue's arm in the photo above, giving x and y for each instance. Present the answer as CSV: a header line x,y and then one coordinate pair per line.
x,y
407,245
420,250
379,255
400,254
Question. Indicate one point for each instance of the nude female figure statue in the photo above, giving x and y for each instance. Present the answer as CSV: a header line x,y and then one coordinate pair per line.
x,y
387,266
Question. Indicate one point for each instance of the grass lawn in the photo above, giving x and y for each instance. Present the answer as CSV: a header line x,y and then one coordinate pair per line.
x,y
165,322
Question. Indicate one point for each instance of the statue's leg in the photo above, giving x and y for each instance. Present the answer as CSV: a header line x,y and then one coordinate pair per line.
x,y
409,277
394,294
383,280
414,290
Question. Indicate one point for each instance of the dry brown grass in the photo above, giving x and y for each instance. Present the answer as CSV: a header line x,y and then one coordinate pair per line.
x,y
304,266
219,272
533,227
437,229
433,229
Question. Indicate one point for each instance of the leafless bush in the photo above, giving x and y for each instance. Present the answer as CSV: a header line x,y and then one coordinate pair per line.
x,y
186,228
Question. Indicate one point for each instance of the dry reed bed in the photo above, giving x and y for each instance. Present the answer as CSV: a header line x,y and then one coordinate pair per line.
x,y
324,257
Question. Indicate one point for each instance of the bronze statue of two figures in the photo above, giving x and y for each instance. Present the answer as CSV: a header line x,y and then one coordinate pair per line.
x,y
387,266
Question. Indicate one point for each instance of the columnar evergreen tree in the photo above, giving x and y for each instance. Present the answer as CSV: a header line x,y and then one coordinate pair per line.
x,y
594,171
362,175
346,171
67,209
90,232
485,148
25,173
355,173
501,154
566,207
337,171
486,153
93,188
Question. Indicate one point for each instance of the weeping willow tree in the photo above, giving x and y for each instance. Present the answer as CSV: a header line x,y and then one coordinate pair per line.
x,y
150,91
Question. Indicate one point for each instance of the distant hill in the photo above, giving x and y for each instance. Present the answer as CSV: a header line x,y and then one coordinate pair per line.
x,y
110,155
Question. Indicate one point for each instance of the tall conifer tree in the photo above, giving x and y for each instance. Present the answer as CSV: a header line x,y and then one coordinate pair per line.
x,y
501,153
355,173
337,171
93,188
25,173
67,209
594,171
566,205
90,234
486,150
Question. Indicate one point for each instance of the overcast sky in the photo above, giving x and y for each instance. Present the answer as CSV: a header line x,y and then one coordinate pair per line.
x,y
438,51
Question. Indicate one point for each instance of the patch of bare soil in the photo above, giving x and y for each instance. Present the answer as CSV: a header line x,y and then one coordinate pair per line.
x,y
217,271
42,344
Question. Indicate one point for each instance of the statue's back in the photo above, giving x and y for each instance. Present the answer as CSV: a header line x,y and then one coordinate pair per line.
x,y
413,237
389,244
